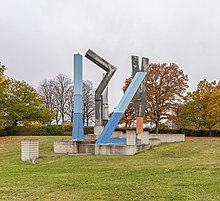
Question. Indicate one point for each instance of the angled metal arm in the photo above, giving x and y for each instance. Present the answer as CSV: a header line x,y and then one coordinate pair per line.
x,y
110,69
137,96
140,96
135,65
144,68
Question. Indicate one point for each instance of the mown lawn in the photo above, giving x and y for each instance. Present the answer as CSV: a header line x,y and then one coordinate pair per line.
x,y
179,171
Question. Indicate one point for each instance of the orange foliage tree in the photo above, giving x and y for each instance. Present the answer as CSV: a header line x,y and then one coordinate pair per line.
x,y
166,85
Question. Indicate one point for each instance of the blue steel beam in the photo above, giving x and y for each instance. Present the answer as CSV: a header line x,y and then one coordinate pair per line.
x,y
77,131
105,136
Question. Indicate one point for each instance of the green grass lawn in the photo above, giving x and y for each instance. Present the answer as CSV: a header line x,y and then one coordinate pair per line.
x,y
178,171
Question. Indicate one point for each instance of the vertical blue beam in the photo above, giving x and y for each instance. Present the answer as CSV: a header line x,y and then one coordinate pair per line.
x,y
105,136
77,131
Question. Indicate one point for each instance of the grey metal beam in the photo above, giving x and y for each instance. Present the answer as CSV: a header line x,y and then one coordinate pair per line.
x,y
140,96
144,68
137,96
110,69
135,65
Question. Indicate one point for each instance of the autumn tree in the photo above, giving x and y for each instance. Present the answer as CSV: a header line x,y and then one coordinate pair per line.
x,y
88,102
3,85
62,85
70,104
46,90
3,80
201,109
57,94
24,105
166,85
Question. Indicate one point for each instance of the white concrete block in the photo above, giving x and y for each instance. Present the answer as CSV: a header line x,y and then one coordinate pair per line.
x,y
64,147
131,137
117,134
98,130
29,149
145,137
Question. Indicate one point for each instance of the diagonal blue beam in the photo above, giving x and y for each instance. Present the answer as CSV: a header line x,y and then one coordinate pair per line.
x,y
105,136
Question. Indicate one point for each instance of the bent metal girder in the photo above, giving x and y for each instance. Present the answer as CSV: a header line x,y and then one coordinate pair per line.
x,y
140,95
110,70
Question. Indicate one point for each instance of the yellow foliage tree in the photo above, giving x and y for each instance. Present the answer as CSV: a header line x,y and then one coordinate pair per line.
x,y
24,105
3,84
202,107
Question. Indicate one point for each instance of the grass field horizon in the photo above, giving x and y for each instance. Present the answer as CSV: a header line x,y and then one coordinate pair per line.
x,y
176,171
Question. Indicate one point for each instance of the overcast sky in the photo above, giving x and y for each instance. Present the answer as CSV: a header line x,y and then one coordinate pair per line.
x,y
39,37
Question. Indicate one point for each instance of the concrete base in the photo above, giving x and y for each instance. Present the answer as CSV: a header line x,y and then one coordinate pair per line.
x,y
90,137
118,134
98,130
166,138
89,147
154,139
64,147
112,149
71,147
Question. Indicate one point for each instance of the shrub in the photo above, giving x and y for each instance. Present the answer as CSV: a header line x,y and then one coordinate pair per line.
x,y
88,130
201,133
32,131
67,128
53,130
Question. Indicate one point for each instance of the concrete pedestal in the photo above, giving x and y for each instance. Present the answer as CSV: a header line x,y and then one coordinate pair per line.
x,y
131,137
145,137
29,149
130,148
98,130
64,147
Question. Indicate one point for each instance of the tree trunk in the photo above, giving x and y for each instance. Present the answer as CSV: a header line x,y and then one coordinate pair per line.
x,y
126,124
72,114
157,128
57,118
87,121
84,119
210,133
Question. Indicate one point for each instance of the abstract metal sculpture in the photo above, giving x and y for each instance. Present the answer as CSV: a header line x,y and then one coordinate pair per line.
x,y
77,132
110,70
136,89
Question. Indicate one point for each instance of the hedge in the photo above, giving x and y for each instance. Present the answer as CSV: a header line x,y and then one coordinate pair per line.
x,y
66,130
33,131
187,132
51,130
202,133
